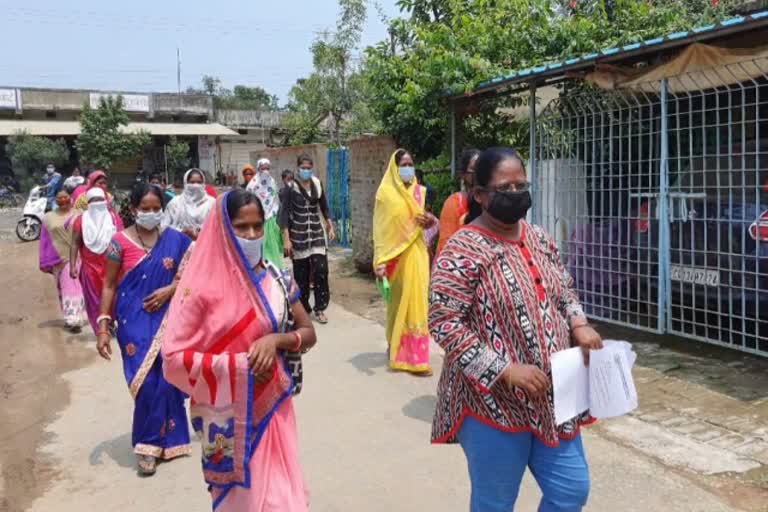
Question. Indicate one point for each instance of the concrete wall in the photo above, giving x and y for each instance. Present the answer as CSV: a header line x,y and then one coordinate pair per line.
x,y
250,118
53,100
235,152
369,158
285,158
186,104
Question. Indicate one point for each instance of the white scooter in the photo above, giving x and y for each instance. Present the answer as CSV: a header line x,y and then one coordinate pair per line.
x,y
29,227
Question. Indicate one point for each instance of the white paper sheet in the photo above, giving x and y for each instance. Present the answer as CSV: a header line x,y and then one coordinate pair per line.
x,y
606,388
570,382
611,387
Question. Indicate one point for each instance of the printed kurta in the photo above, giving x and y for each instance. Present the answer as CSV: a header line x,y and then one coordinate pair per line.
x,y
495,302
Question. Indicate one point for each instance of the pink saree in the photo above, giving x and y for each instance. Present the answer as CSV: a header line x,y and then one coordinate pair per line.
x,y
248,431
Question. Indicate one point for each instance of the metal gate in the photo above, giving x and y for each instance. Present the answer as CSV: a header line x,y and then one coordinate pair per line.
x,y
658,200
338,194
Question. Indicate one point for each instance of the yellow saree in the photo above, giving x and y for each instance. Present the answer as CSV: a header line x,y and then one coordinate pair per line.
x,y
398,242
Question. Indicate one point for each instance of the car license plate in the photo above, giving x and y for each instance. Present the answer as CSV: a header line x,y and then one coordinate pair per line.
x,y
695,275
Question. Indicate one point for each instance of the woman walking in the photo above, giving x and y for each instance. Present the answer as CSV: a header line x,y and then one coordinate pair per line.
x,y
91,234
187,212
142,264
96,179
55,253
501,304
224,343
401,255
456,207
265,188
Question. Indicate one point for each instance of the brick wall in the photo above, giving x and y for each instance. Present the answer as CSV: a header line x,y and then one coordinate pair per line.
x,y
368,160
285,158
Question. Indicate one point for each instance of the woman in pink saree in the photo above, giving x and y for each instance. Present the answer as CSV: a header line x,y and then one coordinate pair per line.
x,y
91,234
233,318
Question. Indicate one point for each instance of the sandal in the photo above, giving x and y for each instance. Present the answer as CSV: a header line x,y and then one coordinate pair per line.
x,y
147,465
320,317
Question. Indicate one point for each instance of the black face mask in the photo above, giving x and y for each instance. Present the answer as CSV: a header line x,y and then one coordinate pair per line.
x,y
509,207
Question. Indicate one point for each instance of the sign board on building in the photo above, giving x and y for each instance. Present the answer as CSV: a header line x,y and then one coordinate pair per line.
x,y
131,102
8,99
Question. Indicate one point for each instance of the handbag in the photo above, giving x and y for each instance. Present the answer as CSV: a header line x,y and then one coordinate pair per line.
x,y
292,359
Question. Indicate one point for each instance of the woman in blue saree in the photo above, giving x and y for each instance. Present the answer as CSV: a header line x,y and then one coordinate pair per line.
x,y
142,266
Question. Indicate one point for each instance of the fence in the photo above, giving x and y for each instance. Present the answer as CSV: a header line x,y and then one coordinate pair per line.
x,y
338,194
658,199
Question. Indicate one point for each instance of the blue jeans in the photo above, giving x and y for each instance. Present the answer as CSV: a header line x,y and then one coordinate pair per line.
x,y
497,462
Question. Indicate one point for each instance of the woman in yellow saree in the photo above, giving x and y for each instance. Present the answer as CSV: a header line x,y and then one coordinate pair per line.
x,y
400,254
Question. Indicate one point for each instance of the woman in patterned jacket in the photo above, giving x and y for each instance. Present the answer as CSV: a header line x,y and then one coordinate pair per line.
x,y
501,304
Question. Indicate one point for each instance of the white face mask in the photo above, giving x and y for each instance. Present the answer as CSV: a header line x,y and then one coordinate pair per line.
x,y
194,190
149,220
252,249
98,206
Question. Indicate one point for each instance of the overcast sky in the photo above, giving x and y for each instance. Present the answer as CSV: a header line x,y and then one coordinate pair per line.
x,y
132,45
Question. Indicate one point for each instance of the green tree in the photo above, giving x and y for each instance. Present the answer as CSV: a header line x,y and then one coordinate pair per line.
x,y
103,140
177,157
446,47
334,90
242,97
30,153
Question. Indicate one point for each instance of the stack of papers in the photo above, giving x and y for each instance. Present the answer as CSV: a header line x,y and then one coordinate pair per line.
x,y
605,389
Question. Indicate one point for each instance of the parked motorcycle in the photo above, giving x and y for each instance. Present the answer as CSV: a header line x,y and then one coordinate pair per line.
x,y
29,227
9,198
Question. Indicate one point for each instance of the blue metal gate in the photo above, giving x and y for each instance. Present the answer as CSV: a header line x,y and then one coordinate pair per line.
x,y
657,196
338,194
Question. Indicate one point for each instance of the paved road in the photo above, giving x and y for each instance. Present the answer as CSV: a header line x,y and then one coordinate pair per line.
x,y
365,443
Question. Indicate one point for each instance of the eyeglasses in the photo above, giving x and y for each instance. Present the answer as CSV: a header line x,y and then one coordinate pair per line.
x,y
511,187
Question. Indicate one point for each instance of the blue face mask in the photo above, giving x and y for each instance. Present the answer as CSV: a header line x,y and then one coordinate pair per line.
x,y
305,174
407,174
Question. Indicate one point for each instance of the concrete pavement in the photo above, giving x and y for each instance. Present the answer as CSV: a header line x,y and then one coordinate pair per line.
x,y
364,436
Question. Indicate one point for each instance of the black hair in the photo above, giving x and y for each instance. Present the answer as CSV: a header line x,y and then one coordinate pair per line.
x,y
286,173
194,171
304,158
419,175
486,165
66,190
466,158
142,189
156,176
400,154
238,198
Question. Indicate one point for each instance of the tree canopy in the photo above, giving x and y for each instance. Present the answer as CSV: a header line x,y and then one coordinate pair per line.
x,y
31,153
101,141
443,47
241,97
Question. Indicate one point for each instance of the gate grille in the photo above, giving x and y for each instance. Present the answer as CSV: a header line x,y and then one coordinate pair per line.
x,y
658,200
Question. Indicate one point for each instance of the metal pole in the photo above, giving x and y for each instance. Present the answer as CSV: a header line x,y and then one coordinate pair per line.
x,y
165,158
664,319
178,71
453,139
532,154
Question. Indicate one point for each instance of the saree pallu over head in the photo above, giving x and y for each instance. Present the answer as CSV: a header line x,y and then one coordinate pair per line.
x,y
136,327
400,243
394,216
220,308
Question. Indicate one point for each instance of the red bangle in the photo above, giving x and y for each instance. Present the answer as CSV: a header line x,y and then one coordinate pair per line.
x,y
297,347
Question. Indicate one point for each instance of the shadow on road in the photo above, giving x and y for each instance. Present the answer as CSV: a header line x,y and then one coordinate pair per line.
x,y
367,362
421,408
52,324
118,449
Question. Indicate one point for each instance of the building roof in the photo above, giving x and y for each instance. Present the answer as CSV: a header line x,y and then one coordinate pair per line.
x,y
557,69
71,128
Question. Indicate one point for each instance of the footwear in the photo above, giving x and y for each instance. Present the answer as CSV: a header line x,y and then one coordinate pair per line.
x,y
75,329
147,465
320,317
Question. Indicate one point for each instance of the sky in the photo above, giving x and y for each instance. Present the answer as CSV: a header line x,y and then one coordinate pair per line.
x,y
131,46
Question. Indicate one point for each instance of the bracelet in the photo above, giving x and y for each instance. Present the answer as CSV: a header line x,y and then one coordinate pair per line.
x,y
103,317
297,347
104,332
